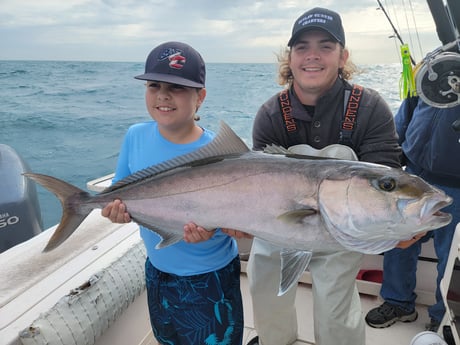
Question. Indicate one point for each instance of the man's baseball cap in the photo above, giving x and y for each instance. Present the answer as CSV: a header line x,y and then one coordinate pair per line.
x,y
319,18
175,63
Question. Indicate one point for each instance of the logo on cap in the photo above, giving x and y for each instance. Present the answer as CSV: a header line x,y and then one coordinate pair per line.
x,y
319,18
315,18
176,60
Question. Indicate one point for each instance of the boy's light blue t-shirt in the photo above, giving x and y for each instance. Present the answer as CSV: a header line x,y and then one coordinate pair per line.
x,y
144,146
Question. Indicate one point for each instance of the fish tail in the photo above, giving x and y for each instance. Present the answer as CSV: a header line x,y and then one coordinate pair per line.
x,y
72,214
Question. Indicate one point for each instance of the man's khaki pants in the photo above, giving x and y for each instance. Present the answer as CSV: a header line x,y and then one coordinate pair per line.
x,y
336,305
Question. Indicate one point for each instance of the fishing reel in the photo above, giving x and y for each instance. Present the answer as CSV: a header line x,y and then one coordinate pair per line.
x,y
437,79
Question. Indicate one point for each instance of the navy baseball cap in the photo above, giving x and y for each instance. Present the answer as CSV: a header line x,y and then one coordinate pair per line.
x,y
175,63
322,19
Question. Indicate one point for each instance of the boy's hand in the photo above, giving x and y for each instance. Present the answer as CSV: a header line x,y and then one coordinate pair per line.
x,y
116,212
194,233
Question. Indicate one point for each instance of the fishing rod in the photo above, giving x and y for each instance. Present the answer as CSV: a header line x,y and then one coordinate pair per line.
x,y
394,28
436,79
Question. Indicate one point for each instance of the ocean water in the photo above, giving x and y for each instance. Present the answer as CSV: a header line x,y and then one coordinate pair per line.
x,y
68,119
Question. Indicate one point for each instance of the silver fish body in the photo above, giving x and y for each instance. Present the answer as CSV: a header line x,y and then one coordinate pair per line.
x,y
295,203
303,205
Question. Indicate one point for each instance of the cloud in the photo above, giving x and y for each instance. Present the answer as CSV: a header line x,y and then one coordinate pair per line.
x,y
224,31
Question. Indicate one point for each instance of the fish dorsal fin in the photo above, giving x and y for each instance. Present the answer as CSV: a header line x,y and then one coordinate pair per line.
x,y
293,264
225,144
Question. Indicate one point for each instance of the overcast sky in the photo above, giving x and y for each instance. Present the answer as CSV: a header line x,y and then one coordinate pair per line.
x,y
221,30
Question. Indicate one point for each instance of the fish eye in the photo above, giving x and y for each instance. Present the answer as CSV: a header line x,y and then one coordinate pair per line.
x,y
387,184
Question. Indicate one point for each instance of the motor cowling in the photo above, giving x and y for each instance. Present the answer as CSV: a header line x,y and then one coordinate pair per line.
x,y
20,216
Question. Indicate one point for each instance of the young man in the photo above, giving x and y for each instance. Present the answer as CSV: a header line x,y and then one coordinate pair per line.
x,y
315,70
429,141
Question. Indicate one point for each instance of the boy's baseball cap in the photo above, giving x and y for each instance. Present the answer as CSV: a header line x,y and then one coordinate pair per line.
x,y
175,63
319,18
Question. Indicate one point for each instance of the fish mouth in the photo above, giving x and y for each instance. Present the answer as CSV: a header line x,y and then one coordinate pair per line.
x,y
431,212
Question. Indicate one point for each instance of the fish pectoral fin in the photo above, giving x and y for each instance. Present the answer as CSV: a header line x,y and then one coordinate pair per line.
x,y
296,216
293,264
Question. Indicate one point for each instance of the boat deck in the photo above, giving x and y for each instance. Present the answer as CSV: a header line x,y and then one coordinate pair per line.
x,y
74,290
399,333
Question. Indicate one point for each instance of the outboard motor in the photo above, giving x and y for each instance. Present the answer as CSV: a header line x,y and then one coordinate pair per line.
x,y
20,217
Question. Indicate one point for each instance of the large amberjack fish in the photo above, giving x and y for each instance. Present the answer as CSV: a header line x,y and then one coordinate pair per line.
x,y
302,205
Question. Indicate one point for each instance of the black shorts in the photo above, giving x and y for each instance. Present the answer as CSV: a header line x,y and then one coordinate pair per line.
x,y
201,309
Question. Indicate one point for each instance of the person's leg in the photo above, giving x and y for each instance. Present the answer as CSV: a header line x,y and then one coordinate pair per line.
x,y
275,316
399,280
201,309
160,320
399,276
337,307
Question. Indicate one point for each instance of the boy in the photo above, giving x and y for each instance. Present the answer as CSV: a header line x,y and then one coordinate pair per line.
x,y
193,289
